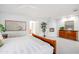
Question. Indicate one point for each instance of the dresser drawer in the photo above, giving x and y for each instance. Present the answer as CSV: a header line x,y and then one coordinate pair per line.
x,y
72,35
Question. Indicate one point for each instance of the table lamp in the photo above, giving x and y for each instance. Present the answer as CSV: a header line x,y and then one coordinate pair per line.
x,y
1,37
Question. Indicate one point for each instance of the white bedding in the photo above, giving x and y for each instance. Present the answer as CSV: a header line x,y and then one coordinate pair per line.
x,y
25,45
66,46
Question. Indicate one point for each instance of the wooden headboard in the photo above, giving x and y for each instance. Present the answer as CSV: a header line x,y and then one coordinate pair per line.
x,y
51,42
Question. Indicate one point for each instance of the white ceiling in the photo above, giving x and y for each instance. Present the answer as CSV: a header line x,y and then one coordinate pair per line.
x,y
40,10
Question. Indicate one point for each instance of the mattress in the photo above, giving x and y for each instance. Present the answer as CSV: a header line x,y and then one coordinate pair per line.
x,y
25,45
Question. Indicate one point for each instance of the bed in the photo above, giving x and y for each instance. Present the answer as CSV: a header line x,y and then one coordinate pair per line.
x,y
49,41
28,45
65,46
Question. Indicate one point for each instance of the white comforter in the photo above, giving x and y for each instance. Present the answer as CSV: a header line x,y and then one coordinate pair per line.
x,y
25,45
66,46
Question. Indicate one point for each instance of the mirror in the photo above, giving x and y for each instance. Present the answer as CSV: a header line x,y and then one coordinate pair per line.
x,y
69,25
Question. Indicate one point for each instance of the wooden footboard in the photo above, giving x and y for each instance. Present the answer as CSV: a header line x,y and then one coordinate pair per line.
x,y
51,42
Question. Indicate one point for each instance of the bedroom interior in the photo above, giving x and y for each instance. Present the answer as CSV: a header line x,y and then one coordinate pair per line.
x,y
39,28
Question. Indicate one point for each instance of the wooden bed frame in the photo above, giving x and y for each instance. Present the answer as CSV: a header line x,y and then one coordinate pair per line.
x,y
51,42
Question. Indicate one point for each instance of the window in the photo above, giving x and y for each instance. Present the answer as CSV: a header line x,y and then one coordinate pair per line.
x,y
33,26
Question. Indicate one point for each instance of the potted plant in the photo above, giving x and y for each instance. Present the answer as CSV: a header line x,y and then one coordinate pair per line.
x,y
1,40
62,28
43,27
2,29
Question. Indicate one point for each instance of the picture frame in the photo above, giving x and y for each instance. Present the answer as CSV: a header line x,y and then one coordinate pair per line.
x,y
51,29
11,25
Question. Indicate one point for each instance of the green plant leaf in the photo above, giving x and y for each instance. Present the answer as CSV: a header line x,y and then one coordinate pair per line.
x,y
2,28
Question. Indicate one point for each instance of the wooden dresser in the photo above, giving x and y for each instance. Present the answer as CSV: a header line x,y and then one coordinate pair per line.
x,y
68,34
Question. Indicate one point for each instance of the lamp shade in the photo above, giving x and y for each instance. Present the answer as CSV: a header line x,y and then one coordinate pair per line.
x,y
1,37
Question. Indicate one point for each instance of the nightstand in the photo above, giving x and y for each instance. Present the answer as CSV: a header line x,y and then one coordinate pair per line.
x,y
5,36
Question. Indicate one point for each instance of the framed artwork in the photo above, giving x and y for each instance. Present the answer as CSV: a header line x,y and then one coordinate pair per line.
x,y
69,25
51,29
11,25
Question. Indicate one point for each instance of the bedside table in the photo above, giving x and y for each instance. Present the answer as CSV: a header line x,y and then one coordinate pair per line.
x,y
5,36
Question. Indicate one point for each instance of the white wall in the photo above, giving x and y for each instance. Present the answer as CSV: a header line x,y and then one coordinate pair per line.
x,y
16,17
49,20
50,24
61,22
